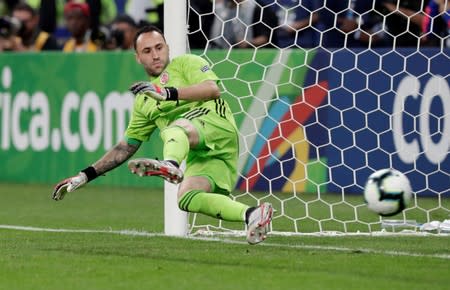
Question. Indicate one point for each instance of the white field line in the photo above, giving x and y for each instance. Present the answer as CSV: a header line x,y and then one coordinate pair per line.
x,y
229,241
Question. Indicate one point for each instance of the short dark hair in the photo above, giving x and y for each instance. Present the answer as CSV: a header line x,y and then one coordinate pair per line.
x,y
145,29
25,7
125,18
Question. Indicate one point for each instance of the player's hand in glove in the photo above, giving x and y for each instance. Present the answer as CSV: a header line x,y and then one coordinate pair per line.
x,y
154,91
69,185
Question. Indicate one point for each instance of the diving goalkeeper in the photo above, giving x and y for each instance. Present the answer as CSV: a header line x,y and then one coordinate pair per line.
x,y
182,99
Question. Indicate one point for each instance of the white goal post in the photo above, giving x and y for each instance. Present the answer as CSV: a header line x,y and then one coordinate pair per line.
x,y
316,122
175,220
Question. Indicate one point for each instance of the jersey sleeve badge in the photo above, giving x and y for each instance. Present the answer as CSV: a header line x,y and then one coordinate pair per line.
x,y
205,68
164,78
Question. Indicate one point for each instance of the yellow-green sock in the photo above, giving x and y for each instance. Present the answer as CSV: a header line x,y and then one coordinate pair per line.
x,y
214,205
176,144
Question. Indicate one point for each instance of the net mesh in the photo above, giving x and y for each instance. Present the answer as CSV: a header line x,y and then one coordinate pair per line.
x,y
325,93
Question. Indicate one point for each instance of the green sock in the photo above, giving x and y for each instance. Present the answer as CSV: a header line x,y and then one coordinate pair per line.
x,y
214,205
176,144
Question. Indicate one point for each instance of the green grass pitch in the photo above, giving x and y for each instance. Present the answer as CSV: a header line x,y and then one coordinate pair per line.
x,y
93,255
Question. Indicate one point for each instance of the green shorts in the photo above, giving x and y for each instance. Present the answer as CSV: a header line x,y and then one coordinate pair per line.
x,y
216,155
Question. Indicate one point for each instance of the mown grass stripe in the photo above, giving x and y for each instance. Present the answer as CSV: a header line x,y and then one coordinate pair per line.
x,y
230,241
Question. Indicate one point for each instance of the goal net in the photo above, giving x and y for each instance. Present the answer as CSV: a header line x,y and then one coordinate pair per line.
x,y
324,93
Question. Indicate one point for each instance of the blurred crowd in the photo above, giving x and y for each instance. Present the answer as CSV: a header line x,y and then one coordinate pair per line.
x,y
94,25
75,26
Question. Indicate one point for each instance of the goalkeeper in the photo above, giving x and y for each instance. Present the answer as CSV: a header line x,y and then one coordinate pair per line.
x,y
183,100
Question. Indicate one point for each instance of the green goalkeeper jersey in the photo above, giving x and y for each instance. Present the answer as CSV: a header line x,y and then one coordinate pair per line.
x,y
216,155
149,114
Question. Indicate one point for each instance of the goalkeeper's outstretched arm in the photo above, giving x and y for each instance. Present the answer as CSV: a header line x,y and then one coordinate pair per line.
x,y
115,157
112,159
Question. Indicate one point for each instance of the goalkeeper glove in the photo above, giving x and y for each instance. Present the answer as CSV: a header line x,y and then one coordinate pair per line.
x,y
73,183
154,91
69,185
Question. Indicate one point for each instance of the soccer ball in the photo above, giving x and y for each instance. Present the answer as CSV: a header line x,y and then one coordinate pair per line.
x,y
387,192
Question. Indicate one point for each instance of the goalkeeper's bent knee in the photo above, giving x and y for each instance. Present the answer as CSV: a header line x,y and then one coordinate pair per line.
x,y
176,143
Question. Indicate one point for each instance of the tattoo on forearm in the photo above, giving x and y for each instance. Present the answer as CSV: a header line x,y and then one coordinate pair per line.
x,y
115,157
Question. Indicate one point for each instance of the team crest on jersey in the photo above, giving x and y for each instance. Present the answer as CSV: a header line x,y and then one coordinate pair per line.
x,y
164,78
205,68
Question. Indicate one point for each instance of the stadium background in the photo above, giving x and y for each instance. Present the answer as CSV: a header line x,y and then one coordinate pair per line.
x,y
71,113
359,111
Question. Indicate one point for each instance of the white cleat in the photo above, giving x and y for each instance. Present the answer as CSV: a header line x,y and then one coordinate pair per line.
x,y
258,223
153,167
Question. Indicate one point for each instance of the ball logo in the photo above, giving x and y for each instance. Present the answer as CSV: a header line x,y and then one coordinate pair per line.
x,y
164,78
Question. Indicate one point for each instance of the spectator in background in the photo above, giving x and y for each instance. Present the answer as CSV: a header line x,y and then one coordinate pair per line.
x,y
52,17
201,18
123,30
32,37
244,23
296,19
9,30
335,24
77,16
373,23
436,23
369,25
383,23
403,22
